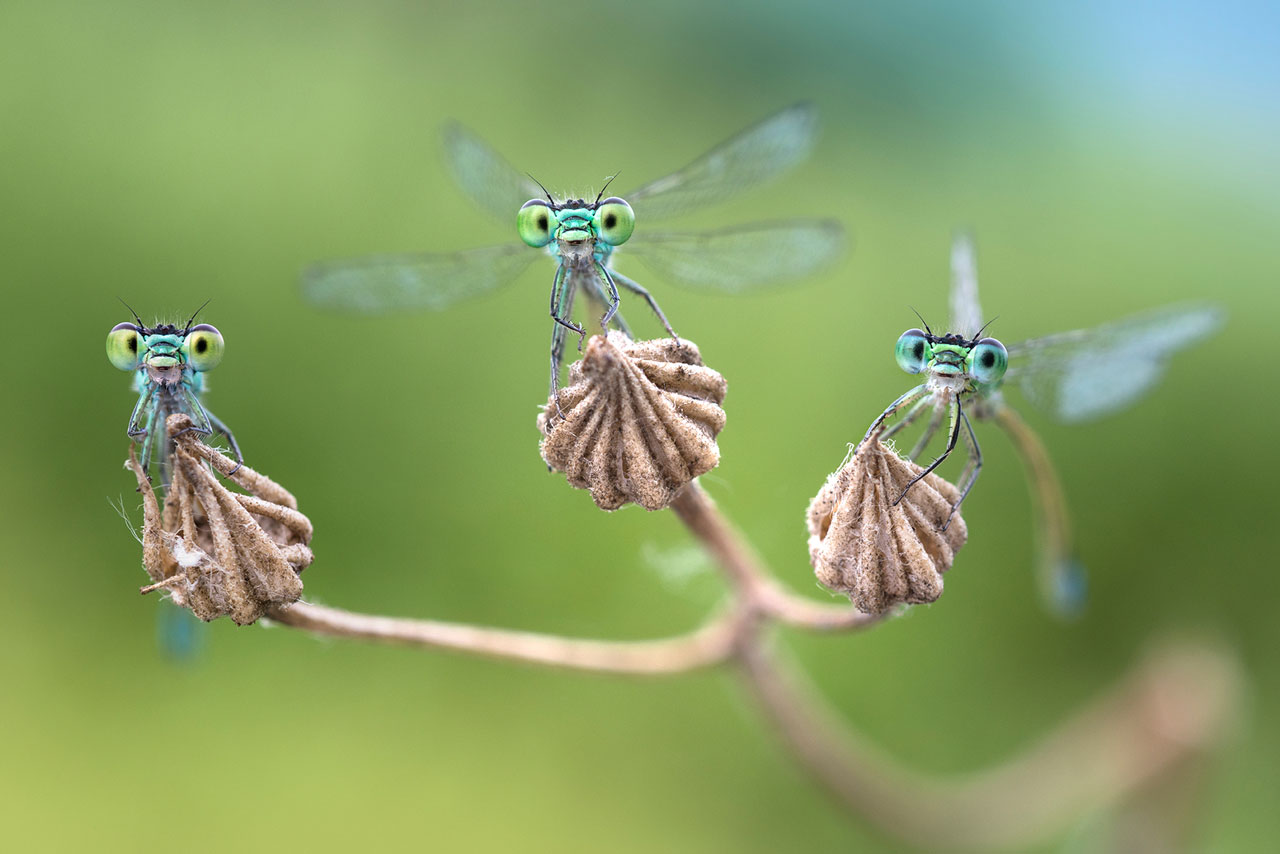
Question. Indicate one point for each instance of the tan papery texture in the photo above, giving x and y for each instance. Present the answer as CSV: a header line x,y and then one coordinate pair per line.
x,y
877,554
637,421
218,552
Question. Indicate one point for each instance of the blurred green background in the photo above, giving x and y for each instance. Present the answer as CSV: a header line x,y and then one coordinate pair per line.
x,y
1108,158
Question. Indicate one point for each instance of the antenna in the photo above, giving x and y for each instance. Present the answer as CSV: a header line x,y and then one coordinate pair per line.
x,y
978,334
926,325
544,189
136,319
600,194
193,316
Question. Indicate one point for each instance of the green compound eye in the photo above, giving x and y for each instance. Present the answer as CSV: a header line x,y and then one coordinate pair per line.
x,y
614,221
536,222
912,351
988,360
122,346
203,347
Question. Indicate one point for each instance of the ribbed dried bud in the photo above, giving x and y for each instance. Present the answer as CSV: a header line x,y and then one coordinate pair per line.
x,y
877,554
218,552
637,421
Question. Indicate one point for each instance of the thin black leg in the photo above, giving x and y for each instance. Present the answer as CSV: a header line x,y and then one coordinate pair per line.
x,y
910,397
614,299
221,428
648,297
562,295
912,414
951,446
619,322
935,421
972,468
562,303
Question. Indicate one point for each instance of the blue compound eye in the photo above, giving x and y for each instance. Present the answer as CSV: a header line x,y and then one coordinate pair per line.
x,y
988,360
912,351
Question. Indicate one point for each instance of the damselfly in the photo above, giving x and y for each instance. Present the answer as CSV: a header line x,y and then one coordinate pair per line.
x,y
168,364
1074,376
583,236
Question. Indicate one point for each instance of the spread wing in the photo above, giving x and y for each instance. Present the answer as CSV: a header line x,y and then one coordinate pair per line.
x,y
741,258
382,283
492,182
1087,373
752,157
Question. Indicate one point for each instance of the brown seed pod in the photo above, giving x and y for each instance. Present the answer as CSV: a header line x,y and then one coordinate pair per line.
x,y
218,552
876,553
637,421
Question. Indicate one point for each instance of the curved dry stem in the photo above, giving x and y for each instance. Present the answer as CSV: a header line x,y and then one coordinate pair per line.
x,y
1164,717
1168,712
706,646
748,575
756,595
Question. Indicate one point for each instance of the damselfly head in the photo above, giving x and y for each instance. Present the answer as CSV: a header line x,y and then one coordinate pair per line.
x,y
611,221
164,349
984,359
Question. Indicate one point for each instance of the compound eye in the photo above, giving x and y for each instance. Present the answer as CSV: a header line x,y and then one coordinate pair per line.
x,y
988,360
536,222
203,347
614,221
123,343
912,351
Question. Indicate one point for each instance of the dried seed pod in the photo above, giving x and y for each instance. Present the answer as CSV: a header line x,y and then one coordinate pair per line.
x,y
218,552
877,554
637,421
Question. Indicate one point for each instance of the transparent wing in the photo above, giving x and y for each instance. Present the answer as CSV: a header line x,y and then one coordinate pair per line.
x,y
740,258
753,156
388,282
1080,375
486,176
966,312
